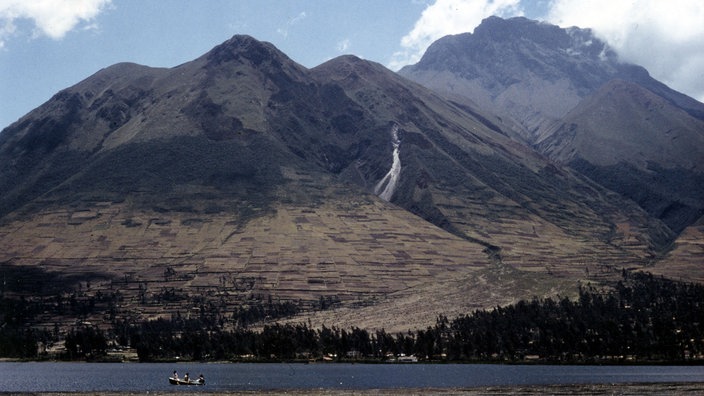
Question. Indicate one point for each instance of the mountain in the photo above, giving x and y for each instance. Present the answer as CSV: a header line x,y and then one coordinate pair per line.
x,y
576,103
637,143
683,261
530,71
242,179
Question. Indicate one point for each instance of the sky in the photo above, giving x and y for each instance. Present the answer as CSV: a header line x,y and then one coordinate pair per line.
x,y
49,45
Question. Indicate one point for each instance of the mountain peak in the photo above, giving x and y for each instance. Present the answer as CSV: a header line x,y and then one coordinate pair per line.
x,y
540,44
343,66
245,174
523,29
519,54
498,28
243,48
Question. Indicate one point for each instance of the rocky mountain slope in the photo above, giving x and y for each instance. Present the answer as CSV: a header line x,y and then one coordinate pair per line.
x,y
532,72
242,177
576,103
637,143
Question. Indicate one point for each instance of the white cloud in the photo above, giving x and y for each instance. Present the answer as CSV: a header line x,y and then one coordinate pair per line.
x,y
448,17
666,37
51,18
291,22
343,45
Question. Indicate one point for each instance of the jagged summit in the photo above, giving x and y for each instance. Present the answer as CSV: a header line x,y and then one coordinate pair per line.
x,y
530,71
572,40
500,29
578,104
504,52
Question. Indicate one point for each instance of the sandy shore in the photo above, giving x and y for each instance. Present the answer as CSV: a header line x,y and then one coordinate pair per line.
x,y
567,390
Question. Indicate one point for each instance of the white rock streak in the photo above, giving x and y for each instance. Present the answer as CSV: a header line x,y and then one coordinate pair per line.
x,y
387,186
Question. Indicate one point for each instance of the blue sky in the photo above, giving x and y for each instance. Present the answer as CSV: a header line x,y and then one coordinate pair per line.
x,y
49,45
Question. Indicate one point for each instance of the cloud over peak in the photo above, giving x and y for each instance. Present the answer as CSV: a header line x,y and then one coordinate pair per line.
x,y
665,37
448,17
51,18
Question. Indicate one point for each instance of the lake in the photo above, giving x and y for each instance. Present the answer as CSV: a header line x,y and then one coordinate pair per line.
x,y
91,377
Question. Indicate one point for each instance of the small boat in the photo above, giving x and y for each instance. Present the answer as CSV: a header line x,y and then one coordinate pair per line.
x,y
179,381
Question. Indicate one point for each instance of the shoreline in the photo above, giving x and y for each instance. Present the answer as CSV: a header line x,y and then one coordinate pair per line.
x,y
627,389
626,363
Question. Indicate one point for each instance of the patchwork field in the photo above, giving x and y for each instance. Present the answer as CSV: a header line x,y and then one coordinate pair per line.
x,y
352,254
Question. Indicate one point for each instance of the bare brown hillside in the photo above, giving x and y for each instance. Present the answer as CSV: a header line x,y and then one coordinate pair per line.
x,y
243,180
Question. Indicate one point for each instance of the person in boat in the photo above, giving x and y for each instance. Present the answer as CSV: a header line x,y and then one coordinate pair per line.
x,y
201,379
175,375
185,377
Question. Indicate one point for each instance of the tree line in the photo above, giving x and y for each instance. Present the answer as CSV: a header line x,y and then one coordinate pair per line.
x,y
641,318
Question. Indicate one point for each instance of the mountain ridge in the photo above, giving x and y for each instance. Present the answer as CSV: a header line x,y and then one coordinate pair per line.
x,y
556,83
551,53
241,176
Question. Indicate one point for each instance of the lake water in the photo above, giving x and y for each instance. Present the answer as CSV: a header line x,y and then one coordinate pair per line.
x,y
86,377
